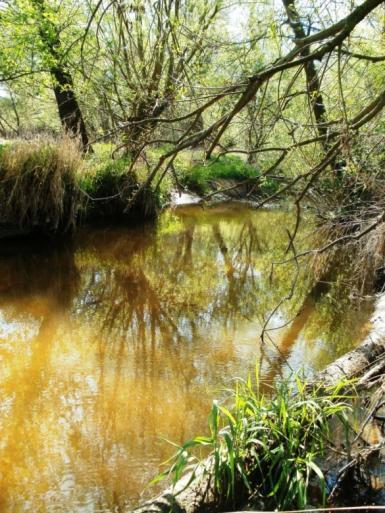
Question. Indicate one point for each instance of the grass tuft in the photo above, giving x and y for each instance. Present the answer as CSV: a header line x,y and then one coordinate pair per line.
x,y
37,184
264,447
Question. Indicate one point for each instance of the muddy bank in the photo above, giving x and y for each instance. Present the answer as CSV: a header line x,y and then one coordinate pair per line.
x,y
48,188
91,214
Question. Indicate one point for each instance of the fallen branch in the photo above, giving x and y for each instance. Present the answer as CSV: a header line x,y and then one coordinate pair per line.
x,y
359,362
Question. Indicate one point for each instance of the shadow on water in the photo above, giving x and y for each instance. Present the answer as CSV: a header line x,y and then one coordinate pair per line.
x,y
126,335
31,268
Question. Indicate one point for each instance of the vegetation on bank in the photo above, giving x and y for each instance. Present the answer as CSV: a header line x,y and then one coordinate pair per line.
x,y
68,187
296,88
205,176
265,448
312,112
38,186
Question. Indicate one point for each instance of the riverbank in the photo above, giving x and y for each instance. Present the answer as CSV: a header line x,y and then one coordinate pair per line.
x,y
48,187
70,191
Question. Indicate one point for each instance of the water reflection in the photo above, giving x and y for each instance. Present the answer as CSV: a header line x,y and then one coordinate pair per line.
x,y
129,334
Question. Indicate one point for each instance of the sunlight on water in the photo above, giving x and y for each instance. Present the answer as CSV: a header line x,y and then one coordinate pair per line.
x,y
125,336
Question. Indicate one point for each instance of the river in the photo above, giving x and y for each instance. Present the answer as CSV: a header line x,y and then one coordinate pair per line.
x,y
120,339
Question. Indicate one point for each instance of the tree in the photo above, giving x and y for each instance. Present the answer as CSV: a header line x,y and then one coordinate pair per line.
x,y
140,56
34,25
313,81
321,45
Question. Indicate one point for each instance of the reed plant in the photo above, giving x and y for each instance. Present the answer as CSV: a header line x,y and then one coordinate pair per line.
x,y
264,446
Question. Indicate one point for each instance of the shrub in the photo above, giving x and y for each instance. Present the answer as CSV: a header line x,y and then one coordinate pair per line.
x,y
109,187
103,178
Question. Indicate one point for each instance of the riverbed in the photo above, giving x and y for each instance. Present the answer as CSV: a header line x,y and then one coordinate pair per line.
x,y
118,340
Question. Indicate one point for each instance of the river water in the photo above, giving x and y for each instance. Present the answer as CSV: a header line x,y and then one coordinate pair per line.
x,y
121,339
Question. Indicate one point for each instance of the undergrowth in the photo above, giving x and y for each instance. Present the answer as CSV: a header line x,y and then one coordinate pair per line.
x,y
47,185
108,186
264,448
202,176
103,178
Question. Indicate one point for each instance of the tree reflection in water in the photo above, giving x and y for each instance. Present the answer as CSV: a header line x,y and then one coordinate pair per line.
x,y
128,335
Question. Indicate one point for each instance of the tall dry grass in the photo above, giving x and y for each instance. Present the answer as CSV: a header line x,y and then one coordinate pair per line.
x,y
37,183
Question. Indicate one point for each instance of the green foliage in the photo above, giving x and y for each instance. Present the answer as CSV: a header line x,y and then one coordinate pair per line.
x,y
265,447
109,186
202,176
103,176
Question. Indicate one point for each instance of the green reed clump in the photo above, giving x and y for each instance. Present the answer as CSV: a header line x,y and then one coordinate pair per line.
x,y
37,183
264,447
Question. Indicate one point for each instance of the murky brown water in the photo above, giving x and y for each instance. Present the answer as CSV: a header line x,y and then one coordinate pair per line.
x,y
126,336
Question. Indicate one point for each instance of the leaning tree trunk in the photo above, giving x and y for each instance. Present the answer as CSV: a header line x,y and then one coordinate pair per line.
x,y
312,79
70,114
68,106
313,82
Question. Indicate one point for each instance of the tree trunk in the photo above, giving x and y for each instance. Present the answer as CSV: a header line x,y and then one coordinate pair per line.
x,y
69,110
312,81
141,130
68,106
367,360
